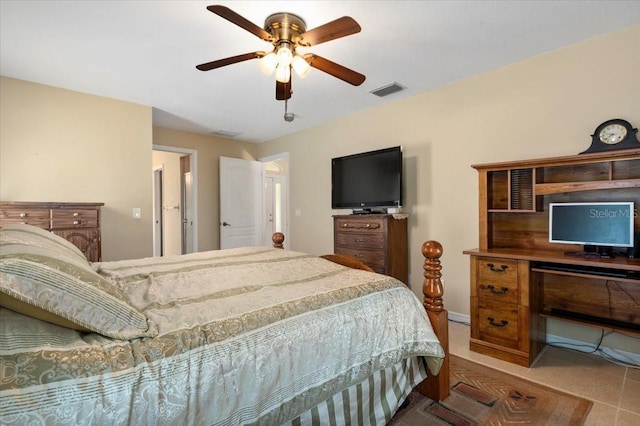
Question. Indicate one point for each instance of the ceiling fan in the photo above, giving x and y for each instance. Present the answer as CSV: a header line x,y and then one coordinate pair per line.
x,y
287,32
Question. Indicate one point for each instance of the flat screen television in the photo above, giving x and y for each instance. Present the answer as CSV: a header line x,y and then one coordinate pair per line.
x,y
368,181
608,224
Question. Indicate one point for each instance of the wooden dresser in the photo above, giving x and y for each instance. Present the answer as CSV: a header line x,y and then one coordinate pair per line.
x,y
378,240
78,223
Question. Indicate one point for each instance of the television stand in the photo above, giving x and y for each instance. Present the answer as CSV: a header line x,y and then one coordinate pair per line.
x,y
378,240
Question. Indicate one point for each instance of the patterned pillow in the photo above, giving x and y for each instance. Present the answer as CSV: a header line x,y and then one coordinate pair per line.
x,y
34,236
46,280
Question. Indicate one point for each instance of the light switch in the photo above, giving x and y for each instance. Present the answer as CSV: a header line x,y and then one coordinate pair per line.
x,y
136,213
298,213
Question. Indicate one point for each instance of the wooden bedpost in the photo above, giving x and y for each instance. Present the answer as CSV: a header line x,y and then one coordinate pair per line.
x,y
278,240
435,387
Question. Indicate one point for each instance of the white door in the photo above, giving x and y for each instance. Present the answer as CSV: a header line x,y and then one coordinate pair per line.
x,y
187,216
157,212
268,215
240,203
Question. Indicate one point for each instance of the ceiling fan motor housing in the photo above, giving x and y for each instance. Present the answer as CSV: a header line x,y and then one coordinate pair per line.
x,y
285,27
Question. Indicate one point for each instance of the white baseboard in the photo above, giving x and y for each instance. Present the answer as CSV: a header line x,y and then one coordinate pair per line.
x,y
611,353
465,319
616,354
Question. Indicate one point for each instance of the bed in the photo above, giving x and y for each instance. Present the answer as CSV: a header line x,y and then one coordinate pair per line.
x,y
252,335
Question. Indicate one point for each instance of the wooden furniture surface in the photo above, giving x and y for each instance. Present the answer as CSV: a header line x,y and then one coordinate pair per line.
x,y
518,278
378,240
435,387
78,223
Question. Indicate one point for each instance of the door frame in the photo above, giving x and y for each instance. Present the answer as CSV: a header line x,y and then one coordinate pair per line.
x,y
194,171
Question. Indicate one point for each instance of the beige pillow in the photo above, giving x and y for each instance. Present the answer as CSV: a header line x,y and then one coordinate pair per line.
x,y
34,236
57,286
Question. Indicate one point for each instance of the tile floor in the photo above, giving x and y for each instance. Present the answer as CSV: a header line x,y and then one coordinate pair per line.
x,y
614,389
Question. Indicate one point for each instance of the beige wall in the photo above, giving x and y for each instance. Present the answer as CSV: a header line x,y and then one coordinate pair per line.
x,y
59,145
209,149
544,106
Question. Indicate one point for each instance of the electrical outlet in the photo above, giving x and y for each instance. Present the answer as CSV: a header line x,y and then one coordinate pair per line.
x,y
136,213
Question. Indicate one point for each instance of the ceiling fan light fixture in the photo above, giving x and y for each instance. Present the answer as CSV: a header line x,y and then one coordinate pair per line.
x,y
284,54
283,73
268,63
300,66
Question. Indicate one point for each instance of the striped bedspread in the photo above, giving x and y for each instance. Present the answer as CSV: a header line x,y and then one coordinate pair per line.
x,y
246,336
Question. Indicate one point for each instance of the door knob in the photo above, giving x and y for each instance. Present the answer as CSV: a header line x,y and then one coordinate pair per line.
x,y
226,224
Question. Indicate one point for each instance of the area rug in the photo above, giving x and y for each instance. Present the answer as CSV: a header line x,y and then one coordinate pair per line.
x,y
483,396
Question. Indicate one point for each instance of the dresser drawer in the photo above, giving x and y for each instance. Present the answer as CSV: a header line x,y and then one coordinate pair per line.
x,y
364,225
74,218
373,258
498,323
365,241
35,217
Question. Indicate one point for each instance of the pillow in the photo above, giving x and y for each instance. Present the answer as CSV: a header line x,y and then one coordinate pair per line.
x,y
57,286
34,236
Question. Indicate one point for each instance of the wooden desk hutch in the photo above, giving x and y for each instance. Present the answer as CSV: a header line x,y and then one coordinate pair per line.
x,y
518,278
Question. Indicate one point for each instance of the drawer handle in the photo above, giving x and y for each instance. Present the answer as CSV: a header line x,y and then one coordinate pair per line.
x,y
23,215
493,268
76,222
76,214
493,290
502,323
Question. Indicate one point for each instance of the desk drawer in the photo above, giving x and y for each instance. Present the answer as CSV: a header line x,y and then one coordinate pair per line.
x,y
498,279
74,218
500,271
498,323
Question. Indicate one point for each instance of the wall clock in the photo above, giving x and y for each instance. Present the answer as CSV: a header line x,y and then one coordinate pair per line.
x,y
613,135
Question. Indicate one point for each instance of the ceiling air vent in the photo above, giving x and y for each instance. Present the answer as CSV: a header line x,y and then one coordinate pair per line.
x,y
387,90
225,133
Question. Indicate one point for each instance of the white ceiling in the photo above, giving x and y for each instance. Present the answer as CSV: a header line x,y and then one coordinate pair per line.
x,y
146,52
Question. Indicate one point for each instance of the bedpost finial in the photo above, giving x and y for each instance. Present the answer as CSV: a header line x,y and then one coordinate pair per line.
x,y
278,240
432,287
432,249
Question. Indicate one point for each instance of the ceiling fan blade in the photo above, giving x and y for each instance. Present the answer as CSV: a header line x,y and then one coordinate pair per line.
x,y
233,17
341,27
336,70
228,61
283,90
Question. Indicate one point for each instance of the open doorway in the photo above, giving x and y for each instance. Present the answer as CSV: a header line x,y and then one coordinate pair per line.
x,y
175,204
276,200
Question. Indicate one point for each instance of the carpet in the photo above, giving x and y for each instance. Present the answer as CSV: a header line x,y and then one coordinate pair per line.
x,y
484,396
